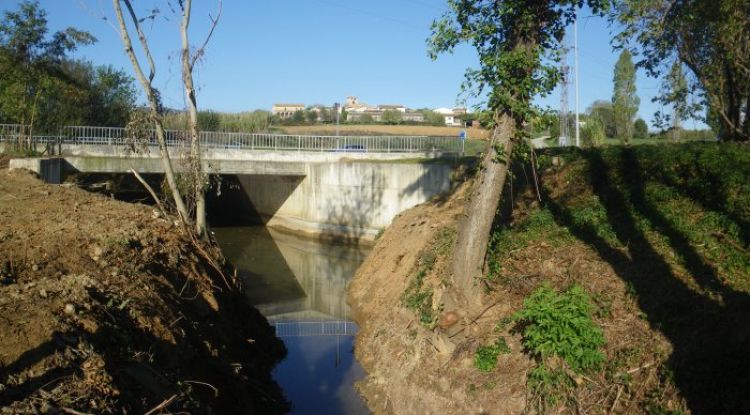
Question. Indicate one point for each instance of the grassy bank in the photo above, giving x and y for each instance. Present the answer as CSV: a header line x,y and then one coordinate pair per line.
x,y
622,287
669,224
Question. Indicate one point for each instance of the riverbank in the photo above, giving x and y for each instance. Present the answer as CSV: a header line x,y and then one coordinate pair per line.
x,y
108,308
640,255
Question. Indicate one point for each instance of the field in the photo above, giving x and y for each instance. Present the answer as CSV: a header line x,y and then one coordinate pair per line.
x,y
382,129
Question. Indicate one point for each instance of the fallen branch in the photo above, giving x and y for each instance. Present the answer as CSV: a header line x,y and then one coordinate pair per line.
x,y
161,406
216,391
723,237
73,411
151,191
208,258
474,320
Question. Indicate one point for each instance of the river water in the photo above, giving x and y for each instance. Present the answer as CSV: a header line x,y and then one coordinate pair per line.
x,y
299,284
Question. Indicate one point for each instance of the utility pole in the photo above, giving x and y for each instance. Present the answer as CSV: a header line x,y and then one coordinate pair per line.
x,y
337,109
564,139
575,41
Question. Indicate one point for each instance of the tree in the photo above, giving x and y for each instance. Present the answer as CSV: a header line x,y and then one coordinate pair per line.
x,y
676,95
391,117
603,111
592,133
311,116
31,64
199,179
516,42
710,38
625,102
298,117
640,129
433,118
153,97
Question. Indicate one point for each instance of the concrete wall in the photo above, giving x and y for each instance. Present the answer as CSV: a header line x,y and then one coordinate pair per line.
x,y
347,202
49,169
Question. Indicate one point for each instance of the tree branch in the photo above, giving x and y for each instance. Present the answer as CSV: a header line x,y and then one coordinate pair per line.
x,y
142,39
201,50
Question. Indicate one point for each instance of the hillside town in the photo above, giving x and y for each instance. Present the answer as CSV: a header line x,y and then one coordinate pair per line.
x,y
355,111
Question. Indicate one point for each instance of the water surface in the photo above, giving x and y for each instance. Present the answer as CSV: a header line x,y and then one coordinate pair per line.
x,y
300,284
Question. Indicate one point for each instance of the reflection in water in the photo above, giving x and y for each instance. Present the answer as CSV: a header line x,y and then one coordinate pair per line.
x,y
300,286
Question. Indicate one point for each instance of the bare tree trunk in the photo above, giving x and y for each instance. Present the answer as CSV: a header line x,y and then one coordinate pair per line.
x,y
475,226
188,62
152,100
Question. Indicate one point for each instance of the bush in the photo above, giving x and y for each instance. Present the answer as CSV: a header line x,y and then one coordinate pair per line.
x,y
560,324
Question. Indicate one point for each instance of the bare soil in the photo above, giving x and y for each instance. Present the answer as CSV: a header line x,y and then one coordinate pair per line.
x,y
105,307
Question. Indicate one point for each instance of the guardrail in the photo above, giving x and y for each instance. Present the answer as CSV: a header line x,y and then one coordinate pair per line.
x,y
117,136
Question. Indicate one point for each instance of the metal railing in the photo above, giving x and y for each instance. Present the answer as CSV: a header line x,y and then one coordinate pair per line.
x,y
117,136
11,132
315,328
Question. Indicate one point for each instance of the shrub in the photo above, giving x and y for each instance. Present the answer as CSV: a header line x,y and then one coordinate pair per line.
x,y
560,324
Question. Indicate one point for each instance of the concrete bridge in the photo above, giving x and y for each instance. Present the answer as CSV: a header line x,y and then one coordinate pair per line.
x,y
340,187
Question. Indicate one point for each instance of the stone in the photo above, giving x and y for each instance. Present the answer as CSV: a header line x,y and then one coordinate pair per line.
x,y
70,309
43,293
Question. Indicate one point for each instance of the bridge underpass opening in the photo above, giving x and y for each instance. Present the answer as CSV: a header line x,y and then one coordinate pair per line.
x,y
230,204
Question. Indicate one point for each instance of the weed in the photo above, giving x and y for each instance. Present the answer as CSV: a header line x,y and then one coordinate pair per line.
x,y
419,298
603,304
539,225
548,388
561,324
485,358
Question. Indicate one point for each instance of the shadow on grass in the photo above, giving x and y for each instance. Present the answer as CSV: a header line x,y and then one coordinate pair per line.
x,y
710,335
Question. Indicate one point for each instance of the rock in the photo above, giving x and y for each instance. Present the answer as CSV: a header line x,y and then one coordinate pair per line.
x,y
448,319
43,293
35,267
70,309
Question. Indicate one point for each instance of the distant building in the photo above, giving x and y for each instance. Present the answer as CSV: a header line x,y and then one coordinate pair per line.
x,y
286,110
452,115
399,108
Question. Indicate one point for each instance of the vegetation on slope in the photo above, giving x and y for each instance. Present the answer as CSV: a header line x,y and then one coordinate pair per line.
x,y
623,287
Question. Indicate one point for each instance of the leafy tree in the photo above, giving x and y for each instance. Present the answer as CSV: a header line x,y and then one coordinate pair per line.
x,y
31,65
311,116
592,133
365,119
515,41
640,129
391,117
625,102
603,111
298,117
433,118
710,38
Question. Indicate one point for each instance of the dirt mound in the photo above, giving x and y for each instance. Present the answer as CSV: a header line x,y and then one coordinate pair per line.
x,y
107,308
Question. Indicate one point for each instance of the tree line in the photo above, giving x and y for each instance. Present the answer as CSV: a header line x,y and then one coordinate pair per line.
x,y
43,87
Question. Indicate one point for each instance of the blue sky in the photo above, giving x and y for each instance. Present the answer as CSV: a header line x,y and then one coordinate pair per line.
x,y
320,51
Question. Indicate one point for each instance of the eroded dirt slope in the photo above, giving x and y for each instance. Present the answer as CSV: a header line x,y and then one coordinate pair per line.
x,y
107,308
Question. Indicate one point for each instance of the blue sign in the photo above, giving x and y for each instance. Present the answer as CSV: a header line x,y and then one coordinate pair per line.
x,y
462,134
